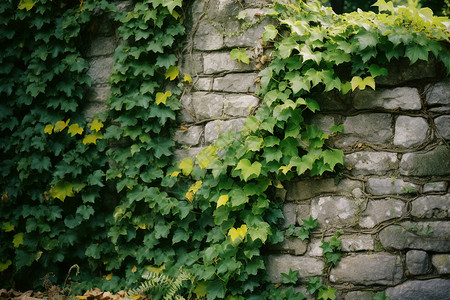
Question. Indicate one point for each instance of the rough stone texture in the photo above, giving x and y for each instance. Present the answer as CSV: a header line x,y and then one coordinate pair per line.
x,y
239,105
376,129
314,247
433,289
102,46
94,109
441,262
306,189
192,64
187,111
433,206
303,212
203,84
400,71
191,136
388,186
355,243
236,83
215,128
438,94
249,38
432,163
399,98
410,131
207,38
440,186
443,126
191,153
293,246
290,214
307,266
417,262
99,94
220,62
368,269
207,105
323,122
428,236
359,295
378,211
333,210
367,163
100,68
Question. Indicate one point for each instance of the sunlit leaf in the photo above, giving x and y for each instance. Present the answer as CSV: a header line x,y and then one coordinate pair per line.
x,y
238,233
75,129
7,227
95,125
187,78
192,190
61,190
26,4
110,275
48,129
162,97
240,55
172,72
92,138
186,166
60,125
18,239
222,200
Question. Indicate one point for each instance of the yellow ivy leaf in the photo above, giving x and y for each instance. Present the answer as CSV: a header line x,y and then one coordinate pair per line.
x,y
26,4
61,190
285,169
18,240
118,212
5,265
134,269
187,78
81,297
356,82
172,72
175,174
75,129
95,125
222,200
135,296
162,97
7,227
186,166
48,129
279,185
193,189
92,138
175,15
238,233
109,276
369,81
154,269
60,125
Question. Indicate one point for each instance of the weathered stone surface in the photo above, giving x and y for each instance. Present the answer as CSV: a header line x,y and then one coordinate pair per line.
x,y
192,64
432,163
428,236
207,105
203,84
388,186
215,128
292,245
99,94
93,109
303,213
191,136
207,38
438,93
332,101
353,243
333,210
378,211
323,122
399,98
433,289
359,295
249,38
290,214
102,46
441,262
100,68
401,71
236,83
307,266
306,189
367,163
368,269
433,206
314,247
443,126
180,154
417,262
374,128
220,62
187,111
440,186
239,105
410,131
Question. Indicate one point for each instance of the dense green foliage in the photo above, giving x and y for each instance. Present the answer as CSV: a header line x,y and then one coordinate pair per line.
x,y
110,199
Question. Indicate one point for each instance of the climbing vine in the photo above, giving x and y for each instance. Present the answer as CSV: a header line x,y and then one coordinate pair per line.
x,y
114,176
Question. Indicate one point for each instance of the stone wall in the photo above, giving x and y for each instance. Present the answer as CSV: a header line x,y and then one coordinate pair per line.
x,y
392,199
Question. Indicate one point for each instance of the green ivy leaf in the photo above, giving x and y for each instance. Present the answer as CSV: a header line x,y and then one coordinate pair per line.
x,y
186,166
249,169
270,33
329,293
415,52
286,46
240,55
332,157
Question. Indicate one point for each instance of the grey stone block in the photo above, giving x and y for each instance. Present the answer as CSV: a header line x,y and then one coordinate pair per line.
x,y
428,236
432,206
359,295
323,122
368,269
441,262
192,64
306,189
204,84
353,243
433,289
100,69
290,214
249,37
410,131
374,128
440,186
292,245
207,105
314,247
443,126
236,83
399,98
334,210
375,163
432,163
180,154
187,111
93,109
239,105
99,94
102,46
417,262
388,186
307,266
220,62
215,128
400,71
191,136
378,211
303,212
438,93
208,38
